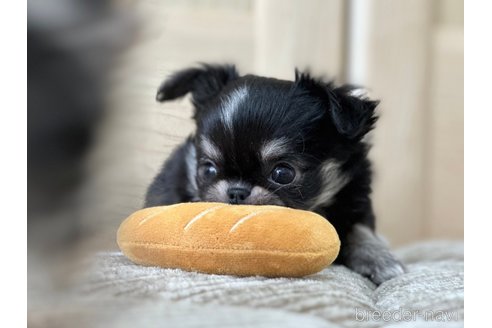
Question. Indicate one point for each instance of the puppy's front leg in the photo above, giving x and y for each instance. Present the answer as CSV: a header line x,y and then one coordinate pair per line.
x,y
175,183
365,253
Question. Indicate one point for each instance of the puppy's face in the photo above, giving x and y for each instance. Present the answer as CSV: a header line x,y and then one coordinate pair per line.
x,y
266,141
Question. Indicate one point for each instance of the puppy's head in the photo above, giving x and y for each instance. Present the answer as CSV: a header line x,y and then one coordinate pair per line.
x,y
267,141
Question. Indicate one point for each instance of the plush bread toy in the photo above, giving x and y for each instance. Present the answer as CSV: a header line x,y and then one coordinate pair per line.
x,y
241,240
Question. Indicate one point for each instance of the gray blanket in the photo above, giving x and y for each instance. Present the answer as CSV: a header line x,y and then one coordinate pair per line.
x,y
118,293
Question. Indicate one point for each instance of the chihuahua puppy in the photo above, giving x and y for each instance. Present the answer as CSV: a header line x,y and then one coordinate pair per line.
x,y
290,143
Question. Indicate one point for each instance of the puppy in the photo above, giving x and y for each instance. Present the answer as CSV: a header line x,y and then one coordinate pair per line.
x,y
291,143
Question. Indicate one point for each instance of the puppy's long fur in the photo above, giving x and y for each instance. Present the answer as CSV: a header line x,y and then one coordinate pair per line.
x,y
266,141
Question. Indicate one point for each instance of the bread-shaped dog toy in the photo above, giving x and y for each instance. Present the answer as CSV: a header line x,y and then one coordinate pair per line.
x,y
243,240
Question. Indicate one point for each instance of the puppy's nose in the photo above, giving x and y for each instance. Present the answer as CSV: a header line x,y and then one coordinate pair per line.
x,y
238,195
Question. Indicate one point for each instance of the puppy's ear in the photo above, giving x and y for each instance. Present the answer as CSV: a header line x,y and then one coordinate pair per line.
x,y
352,115
204,83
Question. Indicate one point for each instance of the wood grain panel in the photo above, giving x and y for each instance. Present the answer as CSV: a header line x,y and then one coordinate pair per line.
x,y
398,74
304,34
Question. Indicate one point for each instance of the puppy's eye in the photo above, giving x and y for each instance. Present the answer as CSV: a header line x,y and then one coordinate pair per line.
x,y
283,174
208,171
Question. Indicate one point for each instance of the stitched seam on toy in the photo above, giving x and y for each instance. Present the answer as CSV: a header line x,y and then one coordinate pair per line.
x,y
154,214
141,243
201,215
246,218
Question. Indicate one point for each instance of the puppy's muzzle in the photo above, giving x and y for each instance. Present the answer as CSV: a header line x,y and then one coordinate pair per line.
x,y
238,195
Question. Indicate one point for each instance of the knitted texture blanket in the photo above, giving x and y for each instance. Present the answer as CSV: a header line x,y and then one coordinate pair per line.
x,y
117,293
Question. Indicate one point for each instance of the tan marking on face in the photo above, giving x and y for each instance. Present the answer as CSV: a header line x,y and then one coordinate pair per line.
x,y
274,148
210,150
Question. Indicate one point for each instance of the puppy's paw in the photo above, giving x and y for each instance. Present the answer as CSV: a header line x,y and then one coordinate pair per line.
x,y
389,270
370,256
380,269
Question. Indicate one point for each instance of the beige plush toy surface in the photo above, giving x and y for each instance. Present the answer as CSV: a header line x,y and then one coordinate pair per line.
x,y
241,240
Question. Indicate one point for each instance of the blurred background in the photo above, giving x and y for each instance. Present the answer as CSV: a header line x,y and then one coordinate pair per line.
x,y
96,136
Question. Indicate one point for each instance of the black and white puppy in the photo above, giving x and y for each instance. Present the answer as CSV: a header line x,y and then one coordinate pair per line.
x,y
292,143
